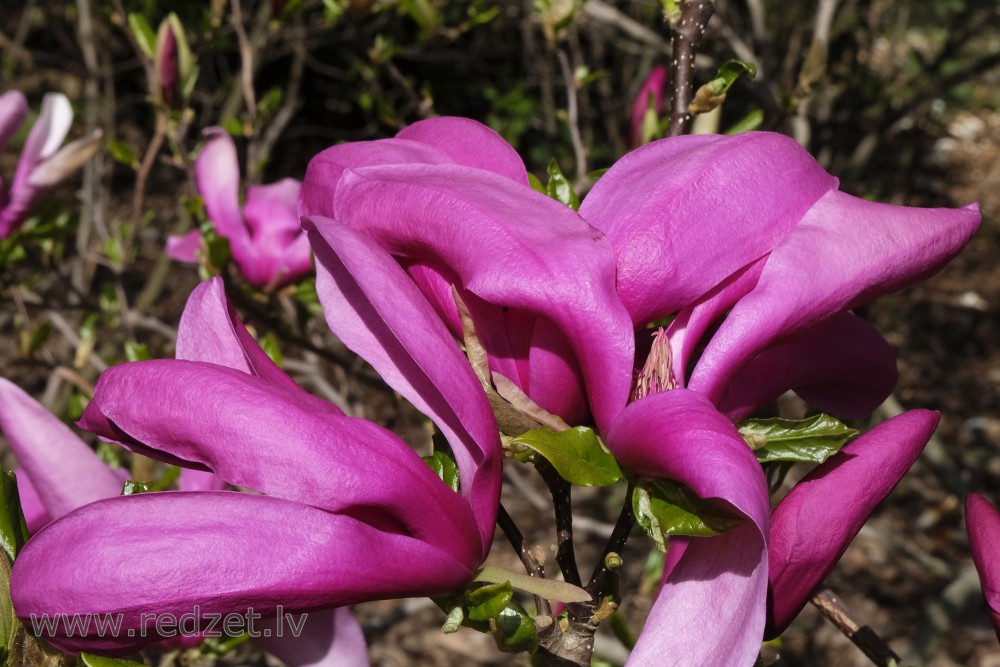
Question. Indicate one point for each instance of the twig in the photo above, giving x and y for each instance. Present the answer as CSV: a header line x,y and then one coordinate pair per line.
x,y
560,490
686,30
532,566
626,520
605,13
246,57
854,628
142,176
91,179
573,116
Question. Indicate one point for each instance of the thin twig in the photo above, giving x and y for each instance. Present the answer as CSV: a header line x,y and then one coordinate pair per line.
x,y
91,176
854,628
573,117
686,31
626,520
560,490
532,566
246,57
142,176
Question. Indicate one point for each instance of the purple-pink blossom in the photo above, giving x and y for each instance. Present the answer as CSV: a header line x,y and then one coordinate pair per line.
x,y
267,244
44,161
983,523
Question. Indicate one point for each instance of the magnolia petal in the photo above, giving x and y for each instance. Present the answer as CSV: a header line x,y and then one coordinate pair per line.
x,y
199,480
35,515
210,331
813,525
319,187
510,246
330,638
470,143
13,111
185,248
844,367
686,330
846,252
267,439
217,173
679,435
64,471
45,138
272,217
374,308
685,213
148,555
722,578
983,523
65,162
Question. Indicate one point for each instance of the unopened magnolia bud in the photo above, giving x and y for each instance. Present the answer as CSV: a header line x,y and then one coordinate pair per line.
x,y
613,561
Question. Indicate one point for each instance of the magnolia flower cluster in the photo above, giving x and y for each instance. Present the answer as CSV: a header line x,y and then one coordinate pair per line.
x,y
744,243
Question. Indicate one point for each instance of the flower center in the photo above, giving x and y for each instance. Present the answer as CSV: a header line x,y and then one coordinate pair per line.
x,y
657,373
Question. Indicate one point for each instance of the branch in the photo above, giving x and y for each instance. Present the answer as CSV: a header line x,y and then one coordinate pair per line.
x,y
573,117
686,30
854,628
626,520
531,565
560,490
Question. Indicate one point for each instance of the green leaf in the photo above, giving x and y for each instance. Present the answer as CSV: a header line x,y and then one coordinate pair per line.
x,y
132,488
664,507
13,531
88,660
445,468
110,454
550,589
488,601
137,351
814,439
515,631
728,73
536,183
559,187
122,152
748,123
577,454
269,343
143,33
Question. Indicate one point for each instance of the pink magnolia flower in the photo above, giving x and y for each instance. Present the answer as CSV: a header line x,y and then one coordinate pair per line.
x,y
267,244
350,513
43,163
691,227
650,95
983,523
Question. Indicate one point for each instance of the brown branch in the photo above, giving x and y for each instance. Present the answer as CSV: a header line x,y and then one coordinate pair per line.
x,y
686,30
560,490
246,57
531,565
854,628
573,118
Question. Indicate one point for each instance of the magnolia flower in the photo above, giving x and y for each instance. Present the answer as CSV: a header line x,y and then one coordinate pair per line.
x,y
43,163
266,241
689,227
649,97
983,523
350,514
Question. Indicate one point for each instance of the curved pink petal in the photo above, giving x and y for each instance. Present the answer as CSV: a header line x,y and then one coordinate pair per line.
x,y
147,555
45,138
983,523
217,173
470,143
813,525
13,111
185,248
679,435
330,638
844,367
319,187
685,213
845,252
64,471
199,480
210,331
266,439
511,247
35,515
375,309
652,86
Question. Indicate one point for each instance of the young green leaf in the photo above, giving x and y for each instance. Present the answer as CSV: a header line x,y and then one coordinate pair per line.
x,y
143,33
664,507
13,530
444,467
514,630
559,187
88,660
814,439
488,601
729,72
577,454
